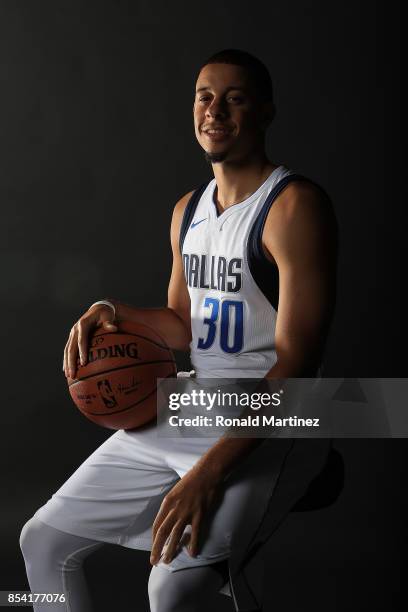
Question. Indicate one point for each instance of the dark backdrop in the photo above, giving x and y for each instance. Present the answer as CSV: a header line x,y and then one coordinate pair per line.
x,y
97,145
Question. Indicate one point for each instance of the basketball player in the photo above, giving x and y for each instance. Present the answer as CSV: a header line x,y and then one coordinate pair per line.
x,y
251,294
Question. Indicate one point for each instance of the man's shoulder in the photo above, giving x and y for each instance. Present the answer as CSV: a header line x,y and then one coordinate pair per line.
x,y
301,199
181,204
303,190
301,214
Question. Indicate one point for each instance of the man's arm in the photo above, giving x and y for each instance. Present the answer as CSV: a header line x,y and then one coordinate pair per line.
x,y
300,236
178,298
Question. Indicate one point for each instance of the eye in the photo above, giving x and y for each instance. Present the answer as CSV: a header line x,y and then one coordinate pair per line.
x,y
236,99
204,98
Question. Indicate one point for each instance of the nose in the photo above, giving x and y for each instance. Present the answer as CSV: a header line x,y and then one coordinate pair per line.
x,y
217,109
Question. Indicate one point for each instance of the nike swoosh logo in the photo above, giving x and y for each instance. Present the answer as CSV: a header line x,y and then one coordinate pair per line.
x,y
195,223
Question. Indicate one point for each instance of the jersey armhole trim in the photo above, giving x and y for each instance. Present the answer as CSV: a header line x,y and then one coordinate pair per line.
x,y
189,212
263,271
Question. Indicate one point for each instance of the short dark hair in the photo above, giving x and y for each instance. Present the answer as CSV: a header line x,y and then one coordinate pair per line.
x,y
257,71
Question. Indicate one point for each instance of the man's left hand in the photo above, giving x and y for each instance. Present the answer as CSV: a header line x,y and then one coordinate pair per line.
x,y
186,504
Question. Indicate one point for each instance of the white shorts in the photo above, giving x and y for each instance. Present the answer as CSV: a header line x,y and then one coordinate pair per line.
x,y
114,496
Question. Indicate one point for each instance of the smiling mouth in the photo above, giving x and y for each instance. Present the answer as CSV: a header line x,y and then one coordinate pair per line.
x,y
217,135
216,131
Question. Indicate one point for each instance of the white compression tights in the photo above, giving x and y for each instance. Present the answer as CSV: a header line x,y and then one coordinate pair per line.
x,y
54,561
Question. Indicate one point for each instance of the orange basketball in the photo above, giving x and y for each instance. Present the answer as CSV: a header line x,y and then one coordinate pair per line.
x,y
116,388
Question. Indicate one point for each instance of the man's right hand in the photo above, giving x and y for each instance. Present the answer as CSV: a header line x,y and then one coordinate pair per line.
x,y
97,316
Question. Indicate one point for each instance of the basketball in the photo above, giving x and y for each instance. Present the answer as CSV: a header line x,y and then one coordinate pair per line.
x,y
116,388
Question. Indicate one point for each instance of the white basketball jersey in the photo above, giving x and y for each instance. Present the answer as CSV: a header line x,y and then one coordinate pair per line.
x,y
233,287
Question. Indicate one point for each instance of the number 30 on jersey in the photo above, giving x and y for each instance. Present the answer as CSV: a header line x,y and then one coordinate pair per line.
x,y
229,319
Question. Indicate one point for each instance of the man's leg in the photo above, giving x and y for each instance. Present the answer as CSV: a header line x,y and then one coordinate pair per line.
x,y
54,562
186,590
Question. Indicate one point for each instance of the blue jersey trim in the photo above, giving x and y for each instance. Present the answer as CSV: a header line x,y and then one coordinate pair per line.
x,y
264,272
189,212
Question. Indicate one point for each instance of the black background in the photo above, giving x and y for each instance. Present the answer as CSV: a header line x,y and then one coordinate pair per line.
x,y
97,145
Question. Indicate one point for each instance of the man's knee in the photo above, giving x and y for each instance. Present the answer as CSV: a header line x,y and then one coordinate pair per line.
x,y
30,534
183,590
163,595
39,541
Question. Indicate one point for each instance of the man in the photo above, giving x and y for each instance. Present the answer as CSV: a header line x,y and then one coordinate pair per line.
x,y
235,258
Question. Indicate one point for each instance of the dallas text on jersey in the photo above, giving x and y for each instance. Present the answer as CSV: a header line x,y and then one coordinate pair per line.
x,y
213,272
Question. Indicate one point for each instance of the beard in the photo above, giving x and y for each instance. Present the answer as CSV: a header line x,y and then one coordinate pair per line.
x,y
215,158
